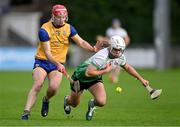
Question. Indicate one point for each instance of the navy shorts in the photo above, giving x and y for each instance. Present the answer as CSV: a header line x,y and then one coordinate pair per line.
x,y
45,64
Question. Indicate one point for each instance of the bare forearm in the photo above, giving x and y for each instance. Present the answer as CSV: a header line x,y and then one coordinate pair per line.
x,y
92,73
85,45
133,72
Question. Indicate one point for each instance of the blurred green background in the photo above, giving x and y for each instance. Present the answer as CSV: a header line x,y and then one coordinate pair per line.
x,y
92,17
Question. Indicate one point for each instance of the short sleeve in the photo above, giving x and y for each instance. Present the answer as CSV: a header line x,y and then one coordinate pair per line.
x,y
98,62
73,31
100,59
43,35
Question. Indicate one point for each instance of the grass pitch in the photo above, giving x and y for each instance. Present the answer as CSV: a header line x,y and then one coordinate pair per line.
x,y
131,107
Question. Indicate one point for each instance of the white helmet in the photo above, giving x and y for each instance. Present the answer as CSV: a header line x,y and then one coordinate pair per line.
x,y
117,42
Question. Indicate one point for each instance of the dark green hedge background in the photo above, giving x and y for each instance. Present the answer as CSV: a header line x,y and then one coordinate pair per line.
x,y
92,17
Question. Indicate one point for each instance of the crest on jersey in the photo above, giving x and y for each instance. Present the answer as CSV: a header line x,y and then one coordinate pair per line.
x,y
64,33
57,33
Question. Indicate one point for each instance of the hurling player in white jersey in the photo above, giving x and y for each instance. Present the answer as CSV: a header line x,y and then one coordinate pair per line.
x,y
89,75
116,29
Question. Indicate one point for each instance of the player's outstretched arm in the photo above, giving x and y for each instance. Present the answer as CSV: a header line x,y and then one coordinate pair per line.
x,y
134,73
154,93
85,45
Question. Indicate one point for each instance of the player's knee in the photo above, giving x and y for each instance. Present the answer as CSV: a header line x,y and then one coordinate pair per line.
x,y
53,88
37,87
75,103
38,81
100,102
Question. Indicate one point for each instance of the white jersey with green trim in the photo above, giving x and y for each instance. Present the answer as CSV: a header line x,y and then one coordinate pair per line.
x,y
98,60
101,59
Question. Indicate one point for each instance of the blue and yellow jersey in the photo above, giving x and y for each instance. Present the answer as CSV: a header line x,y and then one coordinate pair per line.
x,y
58,39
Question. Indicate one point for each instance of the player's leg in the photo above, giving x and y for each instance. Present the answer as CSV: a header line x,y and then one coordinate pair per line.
x,y
71,100
114,74
98,91
55,78
39,76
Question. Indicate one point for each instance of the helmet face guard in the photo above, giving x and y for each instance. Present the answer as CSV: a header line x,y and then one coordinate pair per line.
x,y
115,53
117,46
59,15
